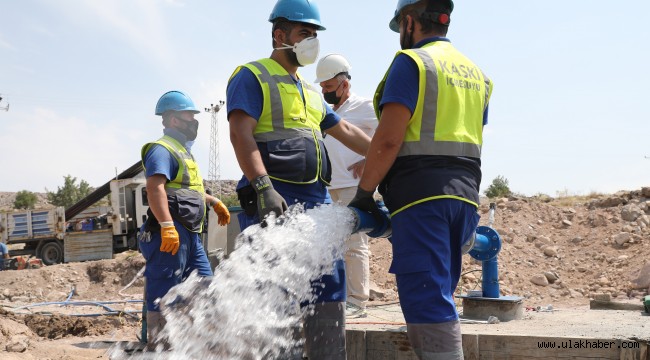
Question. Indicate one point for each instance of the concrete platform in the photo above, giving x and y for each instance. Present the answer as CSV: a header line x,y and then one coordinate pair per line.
x,y
558,334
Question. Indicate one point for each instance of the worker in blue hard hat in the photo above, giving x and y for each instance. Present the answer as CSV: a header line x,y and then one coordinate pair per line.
x,y
277,121
170,238
426,159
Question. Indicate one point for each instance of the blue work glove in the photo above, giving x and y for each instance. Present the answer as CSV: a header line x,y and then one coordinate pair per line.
x,y
268,200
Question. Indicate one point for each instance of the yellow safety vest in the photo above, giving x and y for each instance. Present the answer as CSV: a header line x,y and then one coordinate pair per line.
x,y
185,192
288,131
448,116
447,120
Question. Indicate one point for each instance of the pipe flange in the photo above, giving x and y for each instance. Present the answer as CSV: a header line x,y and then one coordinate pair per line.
x,y
494,244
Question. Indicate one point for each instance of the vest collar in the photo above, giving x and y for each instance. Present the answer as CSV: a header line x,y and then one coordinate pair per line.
x,y
178,136
423,42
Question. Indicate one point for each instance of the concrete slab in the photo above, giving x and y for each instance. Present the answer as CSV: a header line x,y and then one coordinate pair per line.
x,y
575,333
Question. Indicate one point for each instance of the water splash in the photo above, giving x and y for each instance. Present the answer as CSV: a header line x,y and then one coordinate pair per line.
x,y
249,309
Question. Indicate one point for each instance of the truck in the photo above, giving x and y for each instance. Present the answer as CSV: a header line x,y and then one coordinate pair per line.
x,y
85,231
82,231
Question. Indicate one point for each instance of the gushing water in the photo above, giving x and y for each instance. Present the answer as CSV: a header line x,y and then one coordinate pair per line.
x,y
250,308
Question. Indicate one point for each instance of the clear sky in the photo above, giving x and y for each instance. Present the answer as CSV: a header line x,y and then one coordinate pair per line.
x,y
569,110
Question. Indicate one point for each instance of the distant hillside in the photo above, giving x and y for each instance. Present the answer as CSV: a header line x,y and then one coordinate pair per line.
x,y
7,198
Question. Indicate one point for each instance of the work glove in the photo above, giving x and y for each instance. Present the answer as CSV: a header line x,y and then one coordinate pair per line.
x,y
364,201
170,240
268,200
223,215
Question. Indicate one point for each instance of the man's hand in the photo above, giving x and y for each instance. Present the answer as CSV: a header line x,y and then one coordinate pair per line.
x,y
223,215
357,168
268,200
364,201
170,240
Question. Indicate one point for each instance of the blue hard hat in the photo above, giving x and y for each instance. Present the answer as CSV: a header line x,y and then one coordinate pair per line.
x,y
303,11
393,25
176,101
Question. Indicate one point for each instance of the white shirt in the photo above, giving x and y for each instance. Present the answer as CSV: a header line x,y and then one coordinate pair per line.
x,y
359,112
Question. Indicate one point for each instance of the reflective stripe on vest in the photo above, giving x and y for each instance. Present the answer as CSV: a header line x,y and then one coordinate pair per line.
x,y
188,176
285,116
453,95
185,193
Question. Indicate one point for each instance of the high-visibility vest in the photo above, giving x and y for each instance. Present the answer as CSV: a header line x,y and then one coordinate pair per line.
x,y
447,121
185,192
448,117
288,131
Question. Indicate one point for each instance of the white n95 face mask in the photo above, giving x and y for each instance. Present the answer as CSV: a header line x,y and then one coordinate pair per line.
x,y
306,50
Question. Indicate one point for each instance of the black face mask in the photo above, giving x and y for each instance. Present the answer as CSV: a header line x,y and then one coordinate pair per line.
x,y
331,97
190,130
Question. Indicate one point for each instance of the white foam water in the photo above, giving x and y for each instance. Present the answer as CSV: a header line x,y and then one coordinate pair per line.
x,y
249,308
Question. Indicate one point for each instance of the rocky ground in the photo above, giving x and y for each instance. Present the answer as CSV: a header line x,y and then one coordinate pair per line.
x,y
556,251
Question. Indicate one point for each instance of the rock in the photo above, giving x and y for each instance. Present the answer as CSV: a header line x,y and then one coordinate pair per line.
x,y
645,191
603,281
20,299
596,220
17,345
551,276
622,238
376,293
550,250
539,280
630,212
642,280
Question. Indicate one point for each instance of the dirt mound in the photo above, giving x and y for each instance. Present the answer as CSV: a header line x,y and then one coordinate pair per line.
x,y
557,251
59,326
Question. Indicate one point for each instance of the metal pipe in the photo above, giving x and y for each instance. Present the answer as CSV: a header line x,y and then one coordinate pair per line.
x,y
487,246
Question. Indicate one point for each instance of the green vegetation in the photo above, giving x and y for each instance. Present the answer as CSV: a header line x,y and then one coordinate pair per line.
x,y
498,188
25,200
230,200
565,198
70,193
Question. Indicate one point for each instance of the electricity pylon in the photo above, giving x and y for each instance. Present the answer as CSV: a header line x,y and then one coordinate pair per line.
x,y
214,171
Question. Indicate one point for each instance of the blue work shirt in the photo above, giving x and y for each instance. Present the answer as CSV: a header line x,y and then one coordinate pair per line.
x,y
245,93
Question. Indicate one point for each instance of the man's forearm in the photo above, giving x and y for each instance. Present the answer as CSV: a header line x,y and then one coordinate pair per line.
x,y
160,207
379,160
249,158
385,145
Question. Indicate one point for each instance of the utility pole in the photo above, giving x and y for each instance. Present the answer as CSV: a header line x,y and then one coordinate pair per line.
x,y
214,171
6,108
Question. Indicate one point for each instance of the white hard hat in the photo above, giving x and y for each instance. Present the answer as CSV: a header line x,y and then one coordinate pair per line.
x,y
331,65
